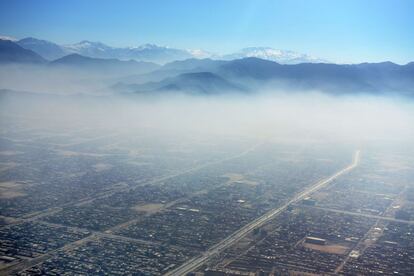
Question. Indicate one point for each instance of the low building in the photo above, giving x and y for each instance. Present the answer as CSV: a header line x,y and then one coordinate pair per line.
x,y
314,240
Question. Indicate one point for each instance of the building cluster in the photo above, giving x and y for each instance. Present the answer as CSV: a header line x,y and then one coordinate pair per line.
x,y
108,204
345,228
300,239
31,239
106,256
392,254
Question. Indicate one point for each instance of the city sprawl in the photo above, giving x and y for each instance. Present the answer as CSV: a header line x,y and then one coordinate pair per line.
x,y
88,201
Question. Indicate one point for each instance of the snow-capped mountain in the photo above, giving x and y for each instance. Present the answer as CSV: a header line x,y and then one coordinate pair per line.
x,y
201,54
86,45
279,56
156,53
145,52
90,49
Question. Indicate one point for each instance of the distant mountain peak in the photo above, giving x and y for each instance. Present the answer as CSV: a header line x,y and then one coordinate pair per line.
x,y
46,49
151,46
200,54
277,55
11,52
85,44
5,37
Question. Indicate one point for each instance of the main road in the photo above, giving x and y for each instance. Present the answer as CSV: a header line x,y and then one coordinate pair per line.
x,y
196,262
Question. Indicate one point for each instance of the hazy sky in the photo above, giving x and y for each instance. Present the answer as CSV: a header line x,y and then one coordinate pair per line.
x,y
336,30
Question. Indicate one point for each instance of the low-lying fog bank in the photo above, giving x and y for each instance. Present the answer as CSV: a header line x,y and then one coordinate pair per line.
x,y
281,116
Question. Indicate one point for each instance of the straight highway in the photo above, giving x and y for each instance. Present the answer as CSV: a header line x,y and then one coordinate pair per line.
x,y
196,262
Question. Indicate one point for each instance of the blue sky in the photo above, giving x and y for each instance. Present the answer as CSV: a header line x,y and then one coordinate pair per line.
x,y
346,31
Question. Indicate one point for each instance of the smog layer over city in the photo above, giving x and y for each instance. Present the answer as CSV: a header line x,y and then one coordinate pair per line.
x,y
197,138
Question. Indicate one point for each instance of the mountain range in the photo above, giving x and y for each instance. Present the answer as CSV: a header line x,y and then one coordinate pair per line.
x,y
210,76
254,74
154,53
88,64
